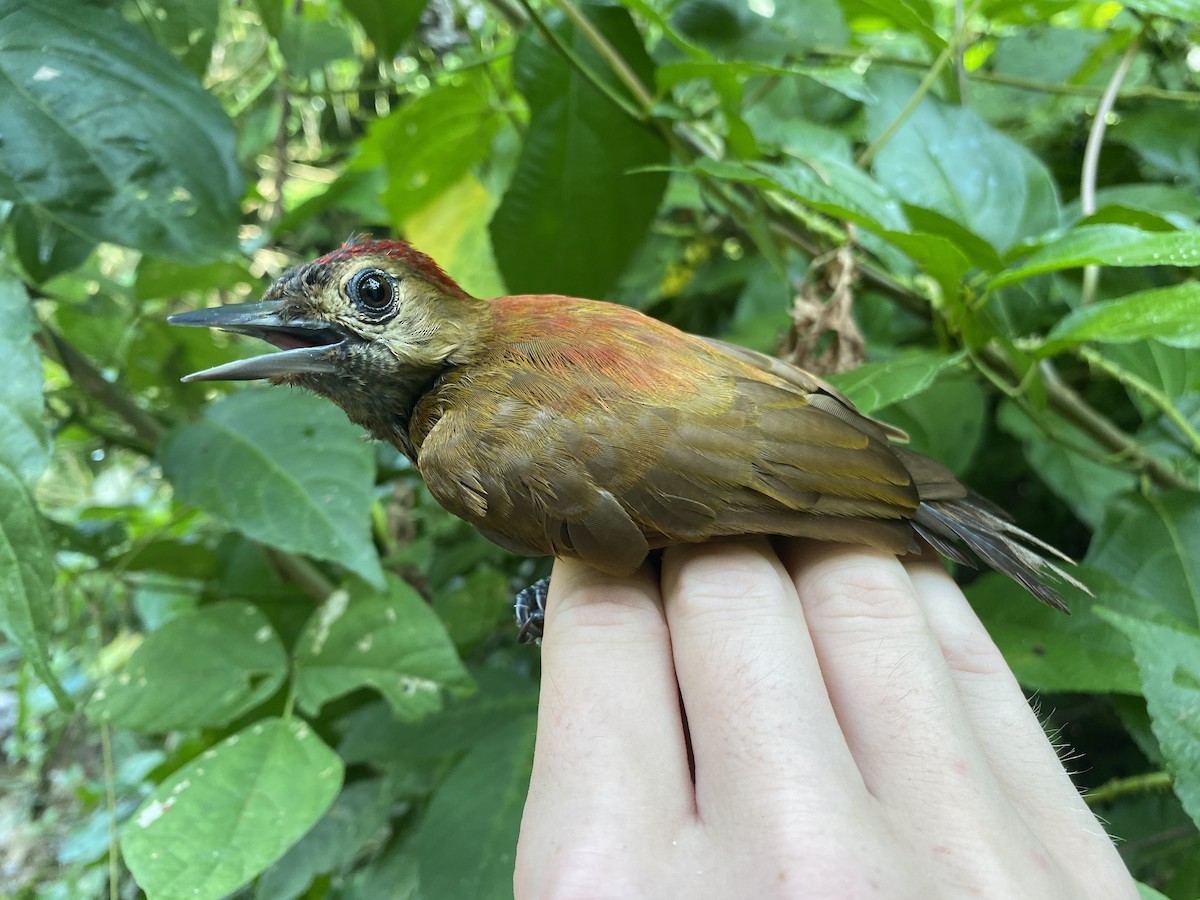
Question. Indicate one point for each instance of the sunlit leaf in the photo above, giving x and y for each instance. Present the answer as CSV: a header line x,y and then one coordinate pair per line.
x,y
391,642
195,671
1169,314
232,811
1108,245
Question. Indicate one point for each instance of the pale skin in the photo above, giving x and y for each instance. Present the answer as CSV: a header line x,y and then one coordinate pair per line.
x,y
855,731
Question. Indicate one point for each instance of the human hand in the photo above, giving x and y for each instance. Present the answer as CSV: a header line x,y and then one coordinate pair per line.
x,y
855,733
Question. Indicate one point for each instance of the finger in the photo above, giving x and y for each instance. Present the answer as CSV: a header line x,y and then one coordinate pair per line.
x,y
610,743
892,691
765,740
1018,751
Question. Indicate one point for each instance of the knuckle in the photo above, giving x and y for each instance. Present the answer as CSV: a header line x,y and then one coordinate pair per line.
x,y
864,590
724,577
973,652
604,614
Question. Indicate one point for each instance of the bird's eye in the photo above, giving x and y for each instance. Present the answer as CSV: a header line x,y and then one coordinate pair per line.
x,y
373,290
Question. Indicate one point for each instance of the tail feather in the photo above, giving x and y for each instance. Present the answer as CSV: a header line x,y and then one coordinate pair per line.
x,y
969,521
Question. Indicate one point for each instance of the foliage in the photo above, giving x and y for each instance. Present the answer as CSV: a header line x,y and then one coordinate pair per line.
x,y
246,652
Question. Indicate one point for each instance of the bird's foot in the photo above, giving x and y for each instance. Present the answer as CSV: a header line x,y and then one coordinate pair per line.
x,y
530,608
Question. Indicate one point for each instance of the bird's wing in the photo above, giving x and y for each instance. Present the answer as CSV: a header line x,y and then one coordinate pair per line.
x,y
604,448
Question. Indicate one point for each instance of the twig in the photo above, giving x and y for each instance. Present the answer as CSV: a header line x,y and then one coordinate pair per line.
x,y
615,61
572,58
95,385
919,94
300,572
1091,155
1142,92
1123,787
1075,409
1135,383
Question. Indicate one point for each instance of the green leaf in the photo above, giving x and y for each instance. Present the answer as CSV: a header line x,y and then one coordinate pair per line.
x,y
1168,660
309,43
575,211
164,278
284,468
1169,314
442,134
1050,652
937,256
392,642
948,159
22,434
231,812
881,384
1152,544
44,247
945,420
112,136
185,28
373,735
1108,245
201,670
827,185
360,813
844,81
913,17
26,579
467,844
1187,10
453,230
1068,460
388,24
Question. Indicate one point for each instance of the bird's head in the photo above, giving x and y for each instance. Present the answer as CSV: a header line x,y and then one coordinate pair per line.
x,y
382,304
366,326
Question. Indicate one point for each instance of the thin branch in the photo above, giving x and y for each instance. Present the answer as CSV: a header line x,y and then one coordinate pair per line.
x,y
960,68
615,61
1135,383
572,58
1142,92
1091,155
89,379
1075,409
302,573
1123,787
947,54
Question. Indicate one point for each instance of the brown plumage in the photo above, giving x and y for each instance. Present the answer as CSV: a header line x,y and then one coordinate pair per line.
x,y
586,429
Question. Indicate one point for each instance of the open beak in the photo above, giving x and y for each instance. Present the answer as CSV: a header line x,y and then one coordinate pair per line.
x,y
304,346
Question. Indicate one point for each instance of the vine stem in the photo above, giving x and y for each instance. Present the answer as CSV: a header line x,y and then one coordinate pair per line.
x,y
1091,155
1142,92
1099,361
1123,787
948,53
615,61
1074,408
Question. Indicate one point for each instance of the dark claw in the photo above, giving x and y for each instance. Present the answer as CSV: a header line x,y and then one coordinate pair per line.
x,y
530,609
